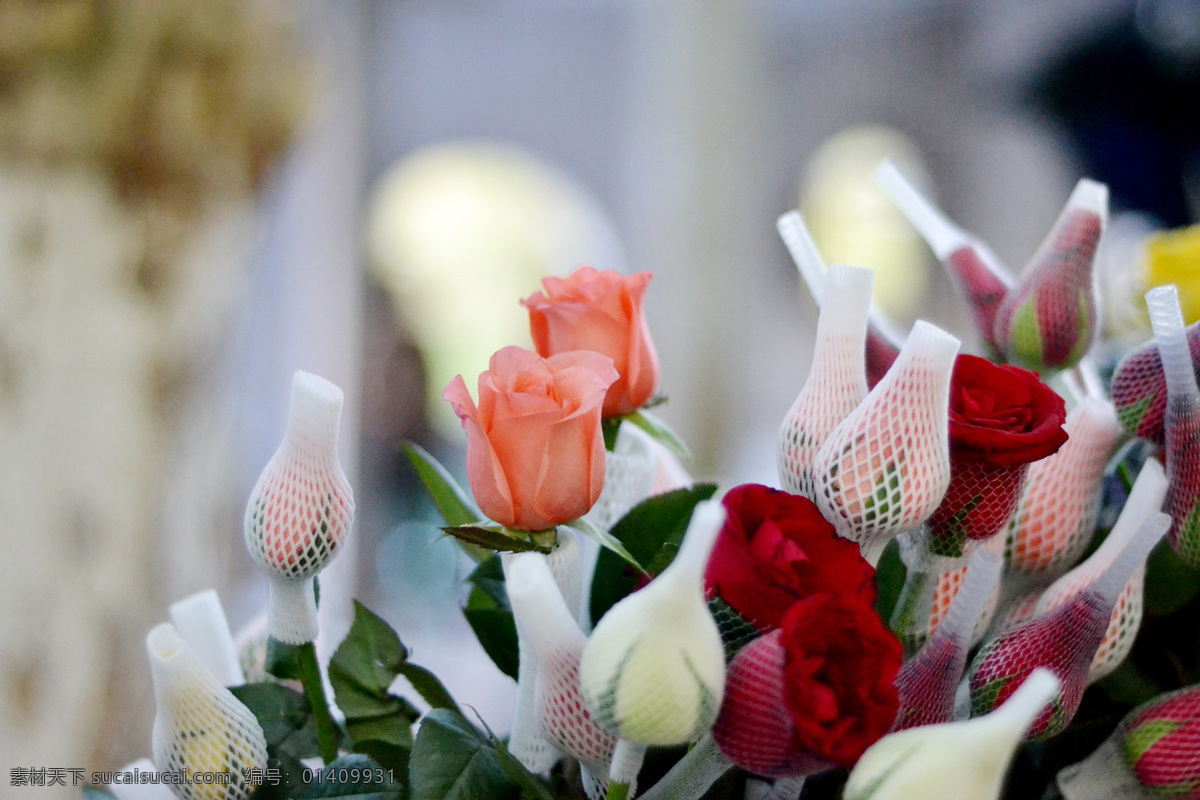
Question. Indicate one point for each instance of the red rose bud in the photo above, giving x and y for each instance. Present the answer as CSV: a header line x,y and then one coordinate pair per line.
x,y
837,380
1139,388
1063,641
812,695
885,468
927,682
1049,320
1182,424
1161,744
775,548
882,344
1056,513
1002,418
976,271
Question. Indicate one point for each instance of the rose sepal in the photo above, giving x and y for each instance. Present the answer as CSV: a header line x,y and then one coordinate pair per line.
x,y
493,536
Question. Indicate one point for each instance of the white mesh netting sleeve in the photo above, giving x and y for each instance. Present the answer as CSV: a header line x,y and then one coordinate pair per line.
x,y
1056,514
201,622
884,469
525,740
1063,640
1182,423
629,473
552,638
1154,754
200,728
301,508
1139,388
837,380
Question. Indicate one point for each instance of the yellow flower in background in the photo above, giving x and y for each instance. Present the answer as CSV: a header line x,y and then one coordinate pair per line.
x,y
1174,257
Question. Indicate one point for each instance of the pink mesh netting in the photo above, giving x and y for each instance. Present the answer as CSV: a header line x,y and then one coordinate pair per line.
x,y
1063,640
1182,423
884,469
554,641
1139,388
200,727
301,508
1154,754
525,740
1048,321
837,380
1056,513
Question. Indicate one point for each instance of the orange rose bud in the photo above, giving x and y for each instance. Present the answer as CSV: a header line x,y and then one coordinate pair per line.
x,y
599,310
535,451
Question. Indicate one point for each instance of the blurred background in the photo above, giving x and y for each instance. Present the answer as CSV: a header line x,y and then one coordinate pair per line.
x,y
198,197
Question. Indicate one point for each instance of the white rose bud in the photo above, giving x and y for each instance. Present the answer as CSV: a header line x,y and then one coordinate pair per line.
x,y
954,760
653,671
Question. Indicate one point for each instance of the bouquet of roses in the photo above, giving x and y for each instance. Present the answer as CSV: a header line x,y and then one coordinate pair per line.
x,y
923,600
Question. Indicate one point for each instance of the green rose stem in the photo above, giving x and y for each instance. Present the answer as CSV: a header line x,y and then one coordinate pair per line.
x,y
314,690
910,618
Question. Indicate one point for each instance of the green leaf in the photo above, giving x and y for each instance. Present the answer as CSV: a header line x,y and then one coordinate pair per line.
x,y
284,714
451,760
488,614
659,430
651,533
354,777
497,540
1175,583
283,660
452,502
605,540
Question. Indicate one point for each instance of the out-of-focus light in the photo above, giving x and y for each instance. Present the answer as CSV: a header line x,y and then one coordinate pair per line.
x,y
1174,257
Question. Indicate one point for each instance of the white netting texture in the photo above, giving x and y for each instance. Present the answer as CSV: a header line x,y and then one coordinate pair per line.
x,y
1154,754
928,681
526,741
301,508
691,776
948,585
629,472
1063,640
554,642
837,380
1048,321
653,672
885,468
201,729
1056,514
1139,388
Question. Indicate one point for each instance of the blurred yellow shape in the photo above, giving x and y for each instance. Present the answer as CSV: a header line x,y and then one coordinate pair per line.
x,y
1174,257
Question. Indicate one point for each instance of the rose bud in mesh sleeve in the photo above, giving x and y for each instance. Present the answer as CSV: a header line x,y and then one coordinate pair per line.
x,y
964,760
1063,641
1002,419
886,467
200,728
1182,424
554,641
837,380
1056,513
1139,388
974,269
301,509
1049,320
775,548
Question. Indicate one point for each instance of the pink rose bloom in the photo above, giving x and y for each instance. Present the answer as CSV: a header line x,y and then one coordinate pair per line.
x,y
599,311
535,451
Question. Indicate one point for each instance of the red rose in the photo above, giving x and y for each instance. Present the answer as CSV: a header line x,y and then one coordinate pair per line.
x,y
1002,418
775,549
840,663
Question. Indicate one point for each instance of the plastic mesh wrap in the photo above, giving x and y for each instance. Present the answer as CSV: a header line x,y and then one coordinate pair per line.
x,y
1139,388
947,587
653,671
837,381
301,508
1056,514
200,728
1182,424
629,475
1048,321
885,468
200,621
1154,754
977,274
525,741
928,681
554,643
1063,640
